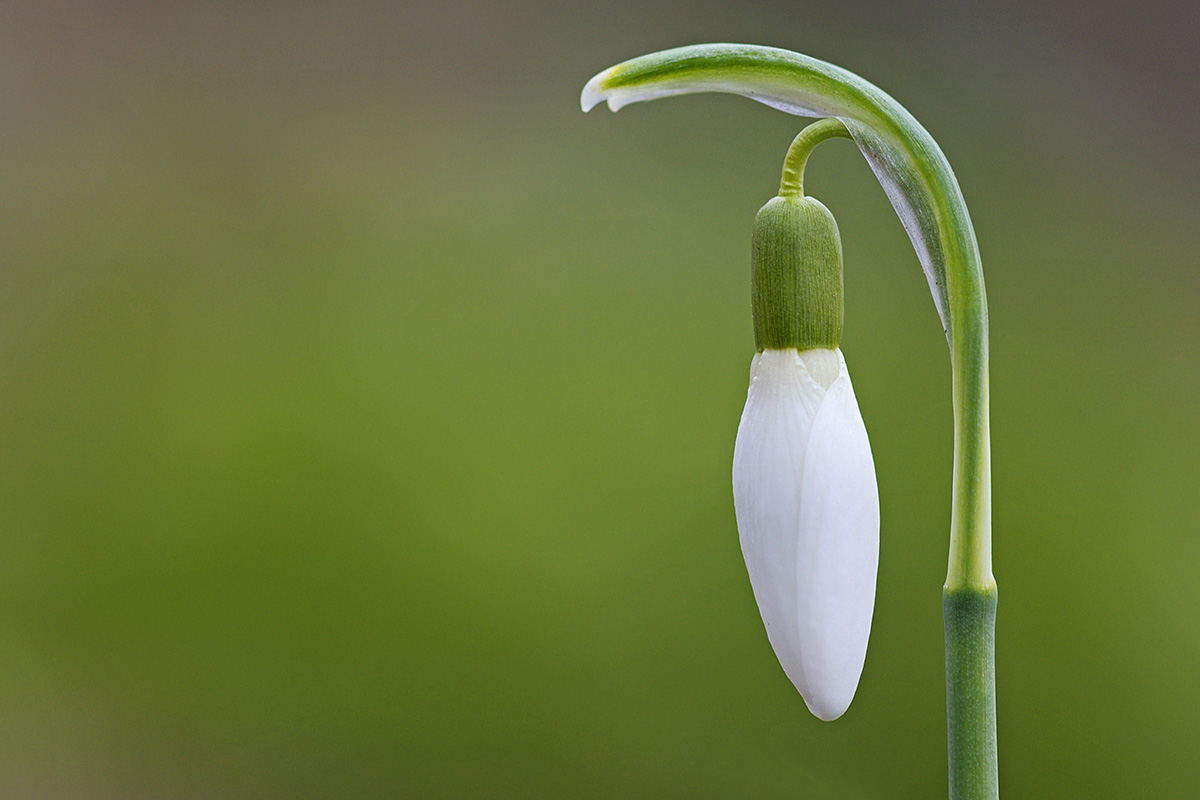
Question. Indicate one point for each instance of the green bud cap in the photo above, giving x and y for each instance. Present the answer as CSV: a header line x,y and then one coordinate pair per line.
x,y
796,276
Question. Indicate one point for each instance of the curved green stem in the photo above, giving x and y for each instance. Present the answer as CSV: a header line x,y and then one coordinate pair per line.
x,y
922,188
792,183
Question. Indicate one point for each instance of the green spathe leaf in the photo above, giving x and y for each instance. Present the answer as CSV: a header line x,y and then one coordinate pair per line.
x,y
905,158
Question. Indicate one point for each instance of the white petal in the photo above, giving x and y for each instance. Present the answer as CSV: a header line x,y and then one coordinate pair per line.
x,y
838,553
808,518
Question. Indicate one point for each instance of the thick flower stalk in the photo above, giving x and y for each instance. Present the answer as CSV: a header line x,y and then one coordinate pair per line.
x,y
922,188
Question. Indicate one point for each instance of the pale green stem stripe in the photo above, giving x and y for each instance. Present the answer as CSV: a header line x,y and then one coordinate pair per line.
x,y
921,186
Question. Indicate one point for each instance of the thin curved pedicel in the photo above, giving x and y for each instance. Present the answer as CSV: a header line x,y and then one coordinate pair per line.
x,y
921,187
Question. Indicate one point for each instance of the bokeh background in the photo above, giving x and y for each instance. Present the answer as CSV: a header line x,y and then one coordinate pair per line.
x,y
366,410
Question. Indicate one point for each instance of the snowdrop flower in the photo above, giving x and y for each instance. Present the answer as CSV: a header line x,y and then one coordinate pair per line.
x,y
808,519
803,480
804,487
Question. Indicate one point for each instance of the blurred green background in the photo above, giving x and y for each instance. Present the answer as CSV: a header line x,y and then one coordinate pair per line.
x,y
366,410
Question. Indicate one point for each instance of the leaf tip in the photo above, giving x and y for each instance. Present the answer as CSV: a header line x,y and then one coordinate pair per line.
x,y
594,91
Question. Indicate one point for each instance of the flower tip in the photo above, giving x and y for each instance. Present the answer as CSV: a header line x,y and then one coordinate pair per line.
x,y
827,709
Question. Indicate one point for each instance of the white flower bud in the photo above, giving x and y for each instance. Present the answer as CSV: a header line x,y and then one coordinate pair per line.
x,y
808,518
